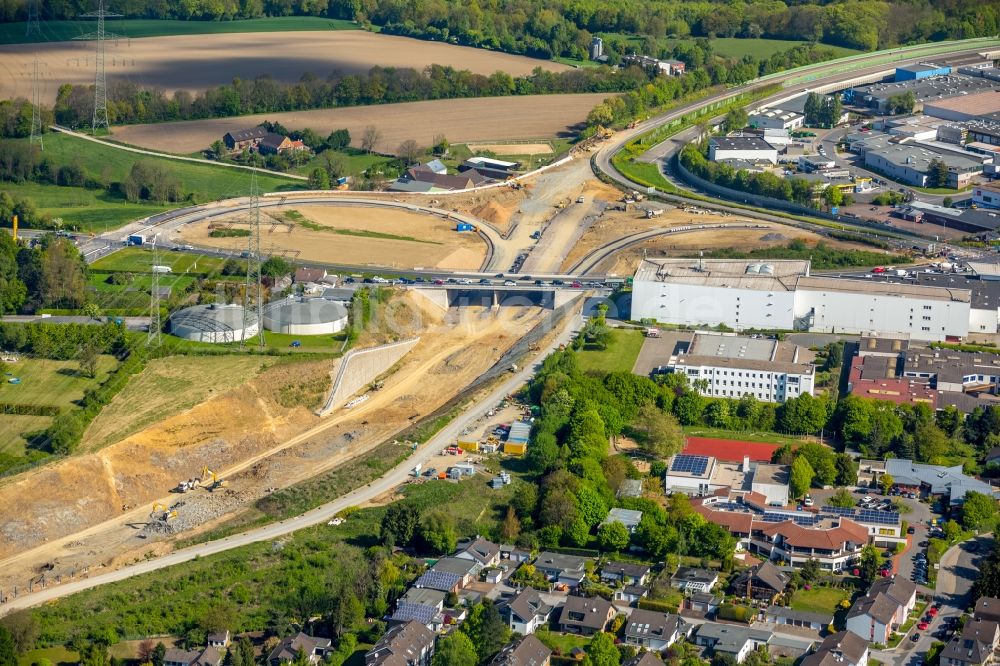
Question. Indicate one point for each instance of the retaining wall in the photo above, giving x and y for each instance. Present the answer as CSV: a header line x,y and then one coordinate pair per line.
x,y
360,367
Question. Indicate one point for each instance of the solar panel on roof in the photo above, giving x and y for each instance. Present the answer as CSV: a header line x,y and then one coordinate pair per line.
x,y
774,518
838,510
878,517
695,465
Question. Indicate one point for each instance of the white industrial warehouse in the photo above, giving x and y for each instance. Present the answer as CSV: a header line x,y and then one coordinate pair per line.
x,y
214,322
305,316
782,295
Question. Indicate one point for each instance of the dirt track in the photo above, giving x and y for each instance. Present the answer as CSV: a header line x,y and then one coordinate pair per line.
x,y
81,523
197,62
461,120
434,244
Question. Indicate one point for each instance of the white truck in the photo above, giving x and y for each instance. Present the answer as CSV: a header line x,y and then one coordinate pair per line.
x,y
416,469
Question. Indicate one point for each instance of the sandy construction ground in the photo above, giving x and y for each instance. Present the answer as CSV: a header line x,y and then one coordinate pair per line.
x,y
197,62
627,261
435,242
513,148
461,120
95,511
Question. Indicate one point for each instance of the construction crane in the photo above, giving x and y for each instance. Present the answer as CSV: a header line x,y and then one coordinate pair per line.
x,y
217,482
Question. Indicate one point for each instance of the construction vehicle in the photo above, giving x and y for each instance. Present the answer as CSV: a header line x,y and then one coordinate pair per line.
x,y
158,507
217,482
653,212
637,195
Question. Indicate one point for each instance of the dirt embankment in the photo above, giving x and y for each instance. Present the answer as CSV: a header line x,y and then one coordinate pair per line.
x,y
69,517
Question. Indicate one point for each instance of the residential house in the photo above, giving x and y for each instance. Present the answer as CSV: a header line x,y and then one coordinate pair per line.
x,y
631,594
525,611
783,615
422,604
762,582
585,615
644,659
883,609
275,144
844,648
627,517
625,573
527,651
314,275
987,608
976,646
703,602
314,648
410,644
692,579
464,568
435,165
219,639
440,580
484,553
241,140
566,569
653,630
735,640
175,657
514,554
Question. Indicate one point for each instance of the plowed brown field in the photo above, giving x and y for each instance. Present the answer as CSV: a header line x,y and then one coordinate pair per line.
x,y
461,120
197,62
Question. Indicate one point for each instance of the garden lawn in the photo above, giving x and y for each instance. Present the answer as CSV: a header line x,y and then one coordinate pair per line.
x,y
53,31
618,357
561,643
819,599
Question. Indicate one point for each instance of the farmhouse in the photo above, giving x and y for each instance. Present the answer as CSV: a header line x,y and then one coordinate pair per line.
x,y
241,140
274,144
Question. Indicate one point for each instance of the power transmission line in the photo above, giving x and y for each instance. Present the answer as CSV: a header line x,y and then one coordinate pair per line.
x,y
33,27
253,289
153,337
100,77
36,112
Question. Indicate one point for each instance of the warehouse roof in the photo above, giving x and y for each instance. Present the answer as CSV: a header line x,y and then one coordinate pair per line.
x,y
776,274
884,289
741,143
977,104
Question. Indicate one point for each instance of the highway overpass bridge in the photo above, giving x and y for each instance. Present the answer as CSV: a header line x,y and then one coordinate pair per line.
x,y
549,297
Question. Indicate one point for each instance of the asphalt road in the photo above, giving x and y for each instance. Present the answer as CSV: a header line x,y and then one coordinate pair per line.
x,y
393,478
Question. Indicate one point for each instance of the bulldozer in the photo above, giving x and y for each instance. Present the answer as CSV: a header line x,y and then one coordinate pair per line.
x,y
217,482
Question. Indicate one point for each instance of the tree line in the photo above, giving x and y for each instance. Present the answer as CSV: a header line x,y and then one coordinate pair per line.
x,y
565,27
129,102
50,273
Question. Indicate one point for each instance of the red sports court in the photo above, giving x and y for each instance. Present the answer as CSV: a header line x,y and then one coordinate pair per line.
x,y
729,450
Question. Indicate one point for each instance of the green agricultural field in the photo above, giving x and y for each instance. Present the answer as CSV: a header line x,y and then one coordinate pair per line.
x,y
43,382
52,31
98,210
139,260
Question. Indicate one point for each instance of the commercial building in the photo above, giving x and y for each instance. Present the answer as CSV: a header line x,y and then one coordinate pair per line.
x,y
878,96
972,220
781,295
776,119
750,148
721,365
701,475
921,70
983,105
950,483
913,164
986,195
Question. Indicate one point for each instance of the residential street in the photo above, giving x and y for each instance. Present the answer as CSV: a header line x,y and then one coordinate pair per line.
x,y
954,585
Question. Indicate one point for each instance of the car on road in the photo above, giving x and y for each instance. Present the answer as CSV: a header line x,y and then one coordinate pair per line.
x,y
509,283
923,626
911,530
485,281
439,281
558,283
915,637
526,278
576,285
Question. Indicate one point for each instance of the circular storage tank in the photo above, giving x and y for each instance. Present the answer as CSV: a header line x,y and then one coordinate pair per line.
x,y
312,316
211,323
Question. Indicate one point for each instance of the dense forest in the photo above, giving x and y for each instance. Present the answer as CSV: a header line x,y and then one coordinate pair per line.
x,y
564,27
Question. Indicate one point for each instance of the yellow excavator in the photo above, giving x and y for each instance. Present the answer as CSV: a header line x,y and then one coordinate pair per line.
x,y
158,507
166,515
217,482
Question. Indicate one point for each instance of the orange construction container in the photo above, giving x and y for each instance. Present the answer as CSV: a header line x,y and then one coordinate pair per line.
x,y
442,475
